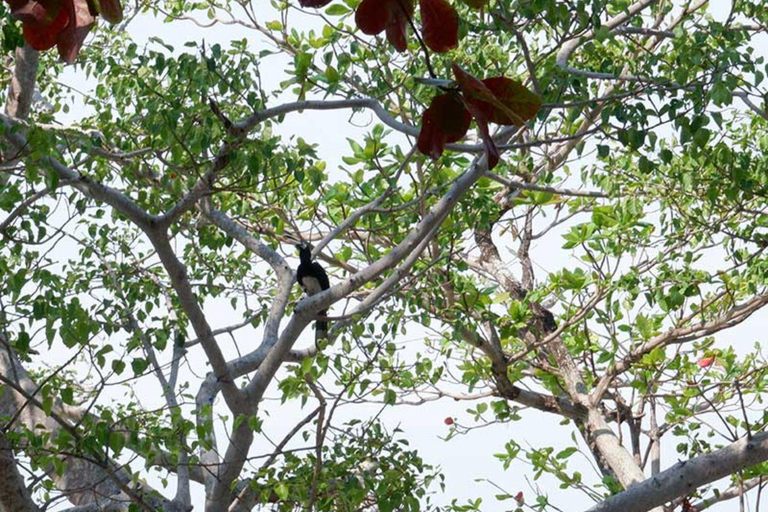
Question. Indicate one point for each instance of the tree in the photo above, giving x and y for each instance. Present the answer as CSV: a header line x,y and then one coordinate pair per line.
x,y
629,155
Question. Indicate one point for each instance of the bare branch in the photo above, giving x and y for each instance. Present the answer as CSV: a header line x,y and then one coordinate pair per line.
x,y
21,89
523,185
14,494
685,477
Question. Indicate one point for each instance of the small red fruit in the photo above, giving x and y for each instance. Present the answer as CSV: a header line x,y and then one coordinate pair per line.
x,y
448,421
706,361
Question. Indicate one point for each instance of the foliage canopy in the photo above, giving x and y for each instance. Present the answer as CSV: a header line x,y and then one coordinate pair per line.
x,y
588,253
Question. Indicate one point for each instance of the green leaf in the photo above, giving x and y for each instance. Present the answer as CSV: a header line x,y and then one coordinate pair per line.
x,y
337,10
281,490
139,365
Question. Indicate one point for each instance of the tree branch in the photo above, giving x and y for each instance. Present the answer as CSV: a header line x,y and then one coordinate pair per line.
x,y
21,89
733,316
14,495
685,477
567,49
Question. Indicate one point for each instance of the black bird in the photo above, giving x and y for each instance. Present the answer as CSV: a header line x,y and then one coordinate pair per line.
x,y
313,279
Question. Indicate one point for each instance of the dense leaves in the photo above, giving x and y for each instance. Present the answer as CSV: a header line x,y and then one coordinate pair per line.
x,y
613,261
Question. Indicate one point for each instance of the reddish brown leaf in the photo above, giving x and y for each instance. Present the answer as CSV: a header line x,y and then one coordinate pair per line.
x,y
371,16
446,120
476,4
477,93
471,86
502,100
397,26
16,4
515,96
374,16
36,13
314,3
44,37
440,25
110,10
491,151
486,107
72,37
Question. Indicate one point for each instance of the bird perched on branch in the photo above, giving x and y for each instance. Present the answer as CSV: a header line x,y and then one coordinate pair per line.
x,y
313,279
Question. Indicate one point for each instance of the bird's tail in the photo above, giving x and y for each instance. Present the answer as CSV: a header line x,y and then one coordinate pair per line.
x,y
321,326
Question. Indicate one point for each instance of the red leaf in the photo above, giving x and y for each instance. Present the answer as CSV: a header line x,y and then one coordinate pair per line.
x,y
314,3
706,361
446,120
472,88
397,27
72,37
111,10
374,16
16,4
371,16
440,25
36,13
44,37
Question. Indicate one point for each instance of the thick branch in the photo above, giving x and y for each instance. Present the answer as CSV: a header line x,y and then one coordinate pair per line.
x,y
14,495
21,90
191,306
281,268
687,476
